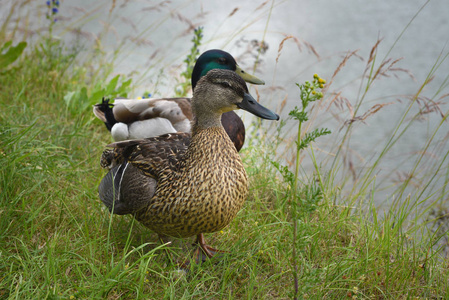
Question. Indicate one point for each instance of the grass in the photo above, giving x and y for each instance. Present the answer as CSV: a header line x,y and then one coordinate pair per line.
x,y
58,242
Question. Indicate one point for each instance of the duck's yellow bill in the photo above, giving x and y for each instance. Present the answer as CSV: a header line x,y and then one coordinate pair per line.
x,y
248,77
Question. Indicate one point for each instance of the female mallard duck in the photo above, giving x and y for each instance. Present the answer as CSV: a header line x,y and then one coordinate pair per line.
x,y
138,119
179,184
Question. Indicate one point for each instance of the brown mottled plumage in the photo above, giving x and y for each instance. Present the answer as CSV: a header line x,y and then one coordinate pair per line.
x,y
179,185
192,196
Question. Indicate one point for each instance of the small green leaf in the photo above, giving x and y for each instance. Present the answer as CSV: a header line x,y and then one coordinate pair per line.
x,y
68,97
301,116
12,54
5,45
285,172
112,85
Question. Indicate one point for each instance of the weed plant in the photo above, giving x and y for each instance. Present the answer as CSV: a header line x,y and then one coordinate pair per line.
x,y
58,242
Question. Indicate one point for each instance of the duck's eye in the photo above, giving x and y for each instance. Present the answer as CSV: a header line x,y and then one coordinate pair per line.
x,y
222,60
226,84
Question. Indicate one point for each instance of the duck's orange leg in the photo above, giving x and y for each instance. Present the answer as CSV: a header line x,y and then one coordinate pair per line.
x,y
204,251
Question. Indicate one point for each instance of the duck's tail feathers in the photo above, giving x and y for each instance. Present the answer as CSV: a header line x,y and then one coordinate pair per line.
x,y
104,112
99,113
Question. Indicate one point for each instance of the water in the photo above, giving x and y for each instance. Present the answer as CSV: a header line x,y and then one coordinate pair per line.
x,y
332,27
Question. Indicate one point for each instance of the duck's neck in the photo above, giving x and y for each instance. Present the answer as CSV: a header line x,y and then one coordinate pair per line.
x,y
208,141
208,120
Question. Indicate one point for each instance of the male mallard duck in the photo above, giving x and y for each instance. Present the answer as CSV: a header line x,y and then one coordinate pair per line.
x,y
183,184
137,119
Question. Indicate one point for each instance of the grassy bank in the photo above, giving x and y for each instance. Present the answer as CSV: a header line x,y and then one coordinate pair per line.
x,y
58,242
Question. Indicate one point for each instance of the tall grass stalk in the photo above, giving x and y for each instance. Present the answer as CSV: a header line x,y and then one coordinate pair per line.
x,y
309,92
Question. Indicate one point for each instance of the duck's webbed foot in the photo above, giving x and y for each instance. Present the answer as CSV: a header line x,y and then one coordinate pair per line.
x,y
204,251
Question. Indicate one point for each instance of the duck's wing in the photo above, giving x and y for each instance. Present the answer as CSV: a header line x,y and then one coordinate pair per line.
x,y
175,110
144,118
138,119
141,129
125,189
152,155
134,167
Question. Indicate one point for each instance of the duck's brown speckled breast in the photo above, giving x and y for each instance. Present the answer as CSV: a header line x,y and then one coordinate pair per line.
x,y
205,194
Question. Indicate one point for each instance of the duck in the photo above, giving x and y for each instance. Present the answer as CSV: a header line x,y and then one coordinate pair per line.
x,y
143,118
185,184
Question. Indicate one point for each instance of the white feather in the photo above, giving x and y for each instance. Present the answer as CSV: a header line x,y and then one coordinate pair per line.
x,y
120,132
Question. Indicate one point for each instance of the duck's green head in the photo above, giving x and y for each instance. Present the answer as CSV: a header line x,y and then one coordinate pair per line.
x,y
218,59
